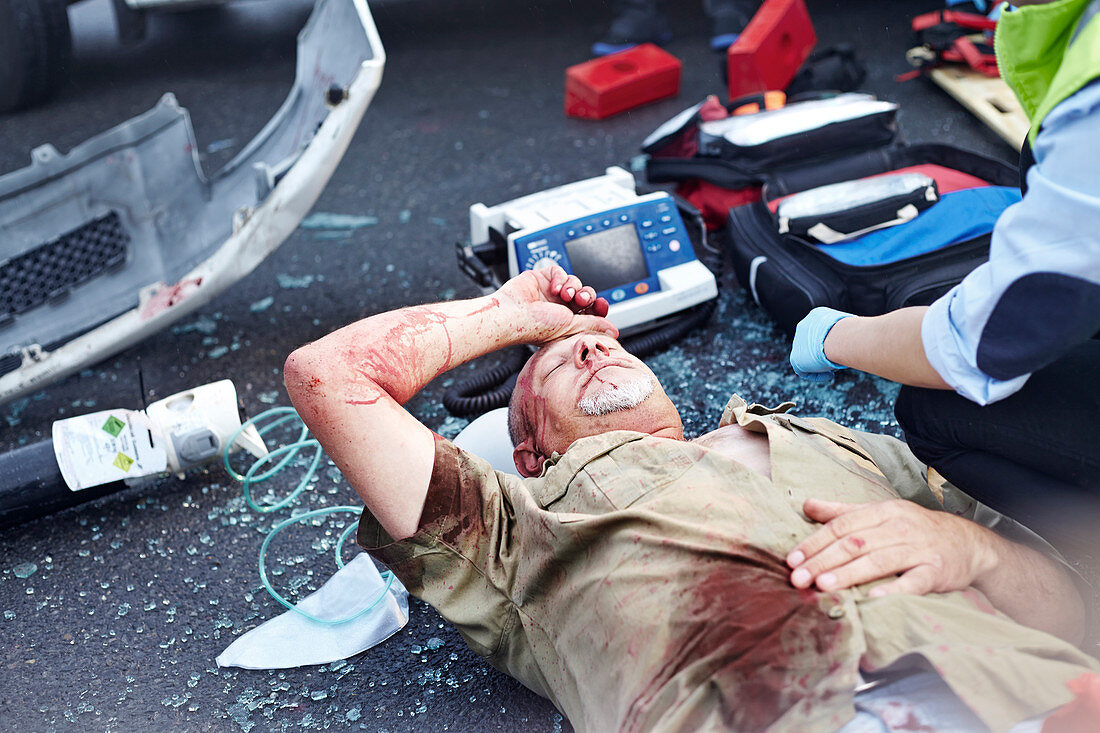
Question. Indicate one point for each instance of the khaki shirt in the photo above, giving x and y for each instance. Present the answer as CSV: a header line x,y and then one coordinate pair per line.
x,y
640,585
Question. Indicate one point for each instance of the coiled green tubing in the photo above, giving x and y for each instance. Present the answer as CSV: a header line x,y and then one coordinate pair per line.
x,y
271,419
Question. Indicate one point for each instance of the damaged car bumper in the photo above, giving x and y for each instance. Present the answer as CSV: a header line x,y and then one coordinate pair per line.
x,y
124,235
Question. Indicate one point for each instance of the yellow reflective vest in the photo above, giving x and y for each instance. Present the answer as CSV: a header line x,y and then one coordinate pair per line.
x,y
1047,52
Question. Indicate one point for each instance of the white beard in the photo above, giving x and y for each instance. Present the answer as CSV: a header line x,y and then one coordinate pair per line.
x,y
612,398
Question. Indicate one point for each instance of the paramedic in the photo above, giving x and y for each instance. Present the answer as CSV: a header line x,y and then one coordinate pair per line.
x,y
753,577
1015,339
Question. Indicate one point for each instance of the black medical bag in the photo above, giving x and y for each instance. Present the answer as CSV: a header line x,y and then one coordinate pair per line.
x,y
842,169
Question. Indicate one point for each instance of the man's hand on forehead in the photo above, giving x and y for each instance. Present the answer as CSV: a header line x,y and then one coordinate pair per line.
x,y
554,305
553,284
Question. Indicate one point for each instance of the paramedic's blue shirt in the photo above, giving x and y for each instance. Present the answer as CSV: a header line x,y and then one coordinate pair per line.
x,y
1039,294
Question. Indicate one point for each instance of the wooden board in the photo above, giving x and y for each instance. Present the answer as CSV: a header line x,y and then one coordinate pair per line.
x,y
990,100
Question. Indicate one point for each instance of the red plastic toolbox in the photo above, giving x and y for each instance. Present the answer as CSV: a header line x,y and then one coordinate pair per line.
x,y
606,86
774,45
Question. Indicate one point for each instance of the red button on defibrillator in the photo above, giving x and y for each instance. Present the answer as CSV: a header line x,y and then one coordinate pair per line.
x,y
641,288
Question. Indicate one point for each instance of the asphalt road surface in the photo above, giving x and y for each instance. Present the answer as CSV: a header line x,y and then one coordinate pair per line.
x,y
113,612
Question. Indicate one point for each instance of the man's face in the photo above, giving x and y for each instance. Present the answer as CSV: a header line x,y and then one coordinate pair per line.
x,y
588,384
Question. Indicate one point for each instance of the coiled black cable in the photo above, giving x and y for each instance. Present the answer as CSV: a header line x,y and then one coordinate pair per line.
x,y
646,343
486,390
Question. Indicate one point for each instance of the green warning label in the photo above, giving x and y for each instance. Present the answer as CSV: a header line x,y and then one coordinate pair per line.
x,y
114,426
122,460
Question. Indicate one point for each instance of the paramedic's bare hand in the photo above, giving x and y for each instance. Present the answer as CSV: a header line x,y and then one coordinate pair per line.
x,y
549,304
808,351
932,551
928,551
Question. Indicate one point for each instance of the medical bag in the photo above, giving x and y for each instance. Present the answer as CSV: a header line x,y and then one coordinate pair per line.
x,y
828,207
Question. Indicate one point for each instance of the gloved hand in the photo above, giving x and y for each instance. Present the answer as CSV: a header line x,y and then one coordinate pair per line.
x,y
808,352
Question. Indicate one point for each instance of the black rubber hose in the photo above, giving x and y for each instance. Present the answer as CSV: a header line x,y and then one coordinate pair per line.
x,y
487,390
646,343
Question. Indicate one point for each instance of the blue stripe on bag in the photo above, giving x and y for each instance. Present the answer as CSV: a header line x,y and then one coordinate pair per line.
x,y
956,217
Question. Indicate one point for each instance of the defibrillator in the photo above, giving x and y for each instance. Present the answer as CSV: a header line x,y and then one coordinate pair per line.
x,y
634,250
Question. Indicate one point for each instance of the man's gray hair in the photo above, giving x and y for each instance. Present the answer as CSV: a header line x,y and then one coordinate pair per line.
x,y
518,425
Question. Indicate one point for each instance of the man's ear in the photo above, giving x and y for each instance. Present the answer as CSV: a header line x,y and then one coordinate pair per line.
x,y
528,459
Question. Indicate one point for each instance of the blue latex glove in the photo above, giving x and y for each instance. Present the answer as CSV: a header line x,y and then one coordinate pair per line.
x,y
808,353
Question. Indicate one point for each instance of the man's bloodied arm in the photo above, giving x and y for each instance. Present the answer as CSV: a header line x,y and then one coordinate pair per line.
x,y
927,551
349,387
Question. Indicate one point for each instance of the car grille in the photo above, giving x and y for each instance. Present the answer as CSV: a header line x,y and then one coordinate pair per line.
x,y
48,272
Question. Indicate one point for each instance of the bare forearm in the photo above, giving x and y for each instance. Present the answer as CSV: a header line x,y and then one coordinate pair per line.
x,y
349,387
888,345
1031,589
401,351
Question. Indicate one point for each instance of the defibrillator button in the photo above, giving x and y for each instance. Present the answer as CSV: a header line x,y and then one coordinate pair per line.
x,y
618,294
624,217
649,235
641,288
588,227
646,223
668,230
666,219
607,222
674,245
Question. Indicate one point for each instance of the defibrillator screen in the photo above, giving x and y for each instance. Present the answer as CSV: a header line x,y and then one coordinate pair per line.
x,y
608,259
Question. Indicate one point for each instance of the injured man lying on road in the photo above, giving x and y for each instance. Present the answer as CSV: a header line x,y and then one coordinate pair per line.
x,y
778,572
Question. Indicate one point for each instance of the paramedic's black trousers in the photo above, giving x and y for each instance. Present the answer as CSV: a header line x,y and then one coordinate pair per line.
x,y
1034,456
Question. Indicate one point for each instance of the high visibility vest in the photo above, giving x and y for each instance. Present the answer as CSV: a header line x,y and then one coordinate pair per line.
x,y
1045,53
